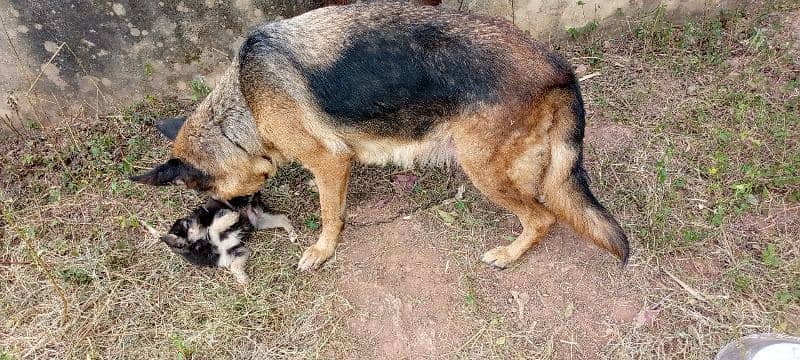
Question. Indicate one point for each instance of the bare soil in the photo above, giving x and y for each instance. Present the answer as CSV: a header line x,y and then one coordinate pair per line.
x,y
409,285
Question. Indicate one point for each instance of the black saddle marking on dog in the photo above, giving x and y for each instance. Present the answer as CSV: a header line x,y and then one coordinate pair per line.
x,y
402,82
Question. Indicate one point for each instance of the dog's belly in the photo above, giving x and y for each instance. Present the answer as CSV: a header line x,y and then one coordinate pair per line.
x,y
430,151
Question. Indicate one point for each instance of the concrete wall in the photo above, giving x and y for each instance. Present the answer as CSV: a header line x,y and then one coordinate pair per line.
x,y
540,17
89,55
61,59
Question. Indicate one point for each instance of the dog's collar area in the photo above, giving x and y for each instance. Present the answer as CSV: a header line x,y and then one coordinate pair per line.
x,y
222,130
234,142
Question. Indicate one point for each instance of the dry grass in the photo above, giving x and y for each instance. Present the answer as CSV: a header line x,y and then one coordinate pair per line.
x,y
709,186
126,298
706,182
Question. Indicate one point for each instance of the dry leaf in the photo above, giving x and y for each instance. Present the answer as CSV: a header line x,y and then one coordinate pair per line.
x,y
646,317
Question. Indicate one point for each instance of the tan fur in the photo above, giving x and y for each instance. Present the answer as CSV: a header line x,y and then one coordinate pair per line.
x,y
435,150
565,199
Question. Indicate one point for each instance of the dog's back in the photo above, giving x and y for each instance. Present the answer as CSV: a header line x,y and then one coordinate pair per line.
x,y
396,70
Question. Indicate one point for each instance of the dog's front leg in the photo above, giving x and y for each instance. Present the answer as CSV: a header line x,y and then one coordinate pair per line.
x,y
331,173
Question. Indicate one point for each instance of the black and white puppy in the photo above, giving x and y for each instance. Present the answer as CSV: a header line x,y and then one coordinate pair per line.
x,y
214,234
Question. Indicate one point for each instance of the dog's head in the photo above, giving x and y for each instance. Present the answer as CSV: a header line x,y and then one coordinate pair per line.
x,y
218,149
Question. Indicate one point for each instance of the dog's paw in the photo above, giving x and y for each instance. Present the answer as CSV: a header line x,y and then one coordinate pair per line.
x,y
314,256
498,257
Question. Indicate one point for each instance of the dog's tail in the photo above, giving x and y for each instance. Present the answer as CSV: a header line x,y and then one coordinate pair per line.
x,y
565,186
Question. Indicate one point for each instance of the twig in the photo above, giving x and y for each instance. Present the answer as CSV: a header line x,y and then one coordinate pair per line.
x,y
694,293
29,243
36,80
10,124
150,230
227,57
459,195
393,217
13,262
469,341
513,15
588,76
78,60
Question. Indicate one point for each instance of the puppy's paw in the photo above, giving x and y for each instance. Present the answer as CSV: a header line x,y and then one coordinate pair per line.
x,y
314,256
241,278
499,257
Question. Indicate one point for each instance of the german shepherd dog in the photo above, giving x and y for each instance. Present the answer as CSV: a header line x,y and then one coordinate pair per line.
x,y
396,83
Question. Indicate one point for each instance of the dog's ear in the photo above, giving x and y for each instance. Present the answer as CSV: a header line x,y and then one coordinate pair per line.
x,y
170,127
175,172
174,241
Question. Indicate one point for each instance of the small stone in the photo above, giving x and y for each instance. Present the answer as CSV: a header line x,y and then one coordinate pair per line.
x,y
119,9
569,311
405,182
50,46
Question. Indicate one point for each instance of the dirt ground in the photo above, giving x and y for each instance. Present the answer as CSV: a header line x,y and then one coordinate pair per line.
x,y
691,142
408,283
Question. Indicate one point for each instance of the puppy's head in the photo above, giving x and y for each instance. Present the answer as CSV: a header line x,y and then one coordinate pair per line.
x,y
188,237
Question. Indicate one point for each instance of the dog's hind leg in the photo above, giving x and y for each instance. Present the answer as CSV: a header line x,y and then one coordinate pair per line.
x,y
331,173
536,221
263,220
239,264
535,218
506,168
